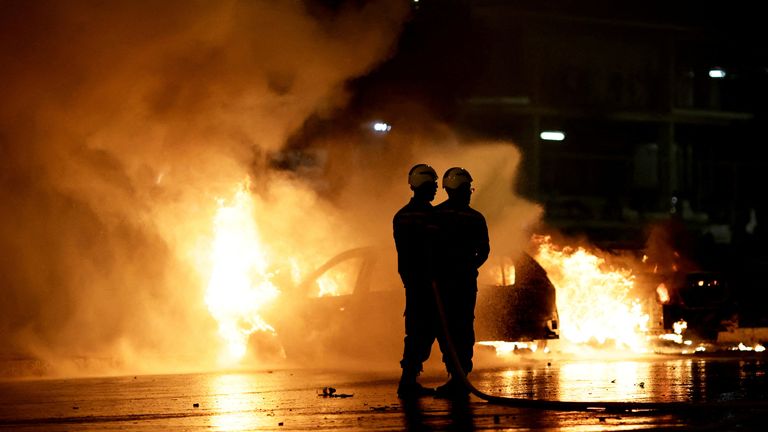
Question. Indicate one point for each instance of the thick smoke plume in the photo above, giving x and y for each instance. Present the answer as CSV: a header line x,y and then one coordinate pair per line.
x,y
121,123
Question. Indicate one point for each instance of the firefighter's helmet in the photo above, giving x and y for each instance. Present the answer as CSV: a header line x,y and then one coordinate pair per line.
x,y
455,177
421,174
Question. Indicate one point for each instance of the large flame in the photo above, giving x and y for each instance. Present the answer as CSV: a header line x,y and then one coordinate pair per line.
x,y
593,299
240,283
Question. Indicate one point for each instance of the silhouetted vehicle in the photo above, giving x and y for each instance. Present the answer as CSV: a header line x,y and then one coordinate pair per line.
x,y
353,306
518,309
703,300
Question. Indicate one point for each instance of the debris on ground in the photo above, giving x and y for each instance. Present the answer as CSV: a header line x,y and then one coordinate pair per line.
x,y
382,408
330,392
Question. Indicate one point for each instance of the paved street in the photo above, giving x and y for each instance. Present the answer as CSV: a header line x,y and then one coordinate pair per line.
x,y
292,399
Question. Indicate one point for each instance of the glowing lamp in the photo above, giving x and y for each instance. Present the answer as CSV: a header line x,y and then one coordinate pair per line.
x,y
552,136
381,127
716,73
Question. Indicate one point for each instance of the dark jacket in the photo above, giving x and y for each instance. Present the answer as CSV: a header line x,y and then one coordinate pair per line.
x,y
413,229
461,243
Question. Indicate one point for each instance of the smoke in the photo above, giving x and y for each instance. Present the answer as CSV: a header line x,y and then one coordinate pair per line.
x,y
493,166
121,123
124,127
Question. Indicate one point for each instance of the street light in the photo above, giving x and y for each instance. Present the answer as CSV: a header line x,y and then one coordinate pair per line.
x,y
381,127
716,73
552,135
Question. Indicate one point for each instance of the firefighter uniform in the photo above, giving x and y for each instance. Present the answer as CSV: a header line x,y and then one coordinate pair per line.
x,y
413,232
461,247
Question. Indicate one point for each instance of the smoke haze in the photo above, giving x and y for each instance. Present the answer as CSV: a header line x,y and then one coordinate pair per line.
x,y
121,123
124,126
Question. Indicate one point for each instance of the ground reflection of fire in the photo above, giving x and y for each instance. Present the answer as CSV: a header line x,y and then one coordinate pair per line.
x,y
233,405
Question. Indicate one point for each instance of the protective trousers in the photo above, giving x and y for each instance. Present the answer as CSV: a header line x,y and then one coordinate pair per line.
x,y
458,296
420,326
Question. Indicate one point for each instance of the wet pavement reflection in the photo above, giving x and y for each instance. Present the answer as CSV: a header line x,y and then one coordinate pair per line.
x,y
643,380
293,400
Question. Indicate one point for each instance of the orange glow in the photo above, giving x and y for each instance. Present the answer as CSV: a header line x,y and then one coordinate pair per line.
x,y
240,285
742,347
593,299
337,281
663,293
327,286
502,274
505,348
679,327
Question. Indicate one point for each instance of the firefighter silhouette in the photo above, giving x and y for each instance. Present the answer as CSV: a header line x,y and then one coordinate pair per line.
x,y
412,226
461,246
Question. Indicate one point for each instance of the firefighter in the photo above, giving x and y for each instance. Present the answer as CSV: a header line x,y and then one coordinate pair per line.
x,y
461,247
412,231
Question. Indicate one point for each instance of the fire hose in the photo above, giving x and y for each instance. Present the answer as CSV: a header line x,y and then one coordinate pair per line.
x,y
558,405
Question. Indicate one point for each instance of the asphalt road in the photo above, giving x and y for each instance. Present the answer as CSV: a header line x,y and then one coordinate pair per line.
x,y
292,399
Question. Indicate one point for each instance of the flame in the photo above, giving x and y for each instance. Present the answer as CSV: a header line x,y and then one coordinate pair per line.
x,y
340,280
742,347
502,274
327,286
679,328
505,348
240,284
593,299
663,293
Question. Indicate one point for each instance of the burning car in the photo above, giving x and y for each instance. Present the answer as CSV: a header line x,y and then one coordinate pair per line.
x,y
703,301
354,306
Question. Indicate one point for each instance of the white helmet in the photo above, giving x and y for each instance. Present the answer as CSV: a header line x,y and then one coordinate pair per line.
x,y
455,177
421,174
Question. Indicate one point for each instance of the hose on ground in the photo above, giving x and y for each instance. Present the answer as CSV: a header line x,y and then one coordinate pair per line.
x,y
558,405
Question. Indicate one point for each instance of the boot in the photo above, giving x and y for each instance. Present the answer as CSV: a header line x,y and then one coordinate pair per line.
x,y
453,389
409,388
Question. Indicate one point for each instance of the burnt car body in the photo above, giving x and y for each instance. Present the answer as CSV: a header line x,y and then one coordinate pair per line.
x,y
704,301
365,316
